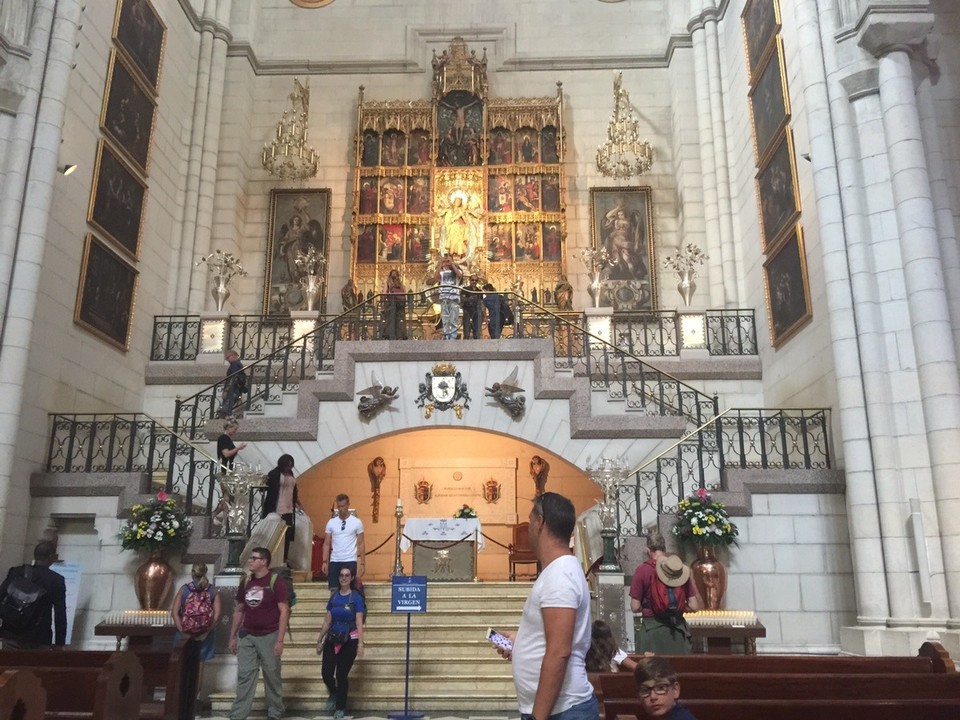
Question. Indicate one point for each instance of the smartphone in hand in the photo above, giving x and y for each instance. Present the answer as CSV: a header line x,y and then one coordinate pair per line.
x,y
499,639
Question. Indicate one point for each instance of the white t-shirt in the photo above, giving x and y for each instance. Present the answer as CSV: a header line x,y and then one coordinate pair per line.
x,y
561,584
343,538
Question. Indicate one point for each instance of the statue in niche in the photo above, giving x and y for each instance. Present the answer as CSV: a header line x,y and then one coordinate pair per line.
x,y
539,471
459,216
459,126
563,294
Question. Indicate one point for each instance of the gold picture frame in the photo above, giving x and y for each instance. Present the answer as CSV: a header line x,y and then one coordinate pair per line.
x,y
787,288
106,294
621,220
128,113
778,194
760,23
118,199
140,33
769,103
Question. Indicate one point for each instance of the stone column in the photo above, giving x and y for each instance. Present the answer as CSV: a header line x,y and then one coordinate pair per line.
x,y
708,163
34,154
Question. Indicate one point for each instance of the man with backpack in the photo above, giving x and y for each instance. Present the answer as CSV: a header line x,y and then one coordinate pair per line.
x,y
29,595
235,385
257,635
661,591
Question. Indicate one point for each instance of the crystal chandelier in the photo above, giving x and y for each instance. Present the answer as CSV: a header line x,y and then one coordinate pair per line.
x,y
288,156
624,154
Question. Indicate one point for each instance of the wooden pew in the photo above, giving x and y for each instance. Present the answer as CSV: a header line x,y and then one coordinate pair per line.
x,y
107,691
807,709
22,697
176,671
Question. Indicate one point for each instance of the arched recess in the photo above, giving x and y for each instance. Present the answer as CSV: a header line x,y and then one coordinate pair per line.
x,y
473,453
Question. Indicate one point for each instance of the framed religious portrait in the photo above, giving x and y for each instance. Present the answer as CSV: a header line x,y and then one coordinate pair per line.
x,y
621,220
140,33
777,193
787,288
418,243
761,23
769,103
117,200
106,293
128,112
367,243
299,223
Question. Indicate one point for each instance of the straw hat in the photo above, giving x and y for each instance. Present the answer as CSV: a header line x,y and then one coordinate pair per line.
x,y
671,571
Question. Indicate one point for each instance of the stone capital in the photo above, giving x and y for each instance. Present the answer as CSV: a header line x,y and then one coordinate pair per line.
x,y
882,30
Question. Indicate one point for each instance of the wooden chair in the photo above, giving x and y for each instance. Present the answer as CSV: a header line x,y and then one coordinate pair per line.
x,y
520,552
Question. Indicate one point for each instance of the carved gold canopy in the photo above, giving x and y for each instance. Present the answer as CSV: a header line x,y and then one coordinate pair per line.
x,y
478,176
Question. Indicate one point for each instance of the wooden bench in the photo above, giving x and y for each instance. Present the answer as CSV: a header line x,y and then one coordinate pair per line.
x,y
109,690
176,671
22,697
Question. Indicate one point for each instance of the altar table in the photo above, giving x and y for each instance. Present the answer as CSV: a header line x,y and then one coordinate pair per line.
x,y
441,552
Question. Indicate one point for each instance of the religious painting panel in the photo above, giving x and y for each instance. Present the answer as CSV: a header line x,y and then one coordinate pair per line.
x,y
106,294
370,155
777,192
552,242
621,220
501,147
418,195
550,152
299,223
368,195
761,23
393,153
127,115
527,242
770,104
117,200
528,145
392,195
418,149
787,288
139,32
460,129
500,193
551,193
527,193
418,243
367,244
499,242
391,243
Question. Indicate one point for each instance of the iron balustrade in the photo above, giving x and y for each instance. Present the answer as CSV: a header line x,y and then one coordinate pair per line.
x,y
175,337
650,334
731,332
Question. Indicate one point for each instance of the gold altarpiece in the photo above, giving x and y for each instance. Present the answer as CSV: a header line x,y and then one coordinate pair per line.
x,y
465,173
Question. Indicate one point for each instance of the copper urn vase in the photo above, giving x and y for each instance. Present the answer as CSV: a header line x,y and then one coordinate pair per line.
x,y
710,577
152,582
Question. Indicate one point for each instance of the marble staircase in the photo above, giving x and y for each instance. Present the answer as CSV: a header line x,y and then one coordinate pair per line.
x,y
452,666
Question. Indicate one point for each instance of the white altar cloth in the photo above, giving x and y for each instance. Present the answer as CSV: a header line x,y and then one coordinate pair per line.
x,y
441,530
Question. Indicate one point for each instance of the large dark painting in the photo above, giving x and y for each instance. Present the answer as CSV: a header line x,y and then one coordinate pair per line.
x,y
140,32
117,200
460,129
106,295
621,220
761,23
127,116
299,220
777,192
770,104
788,293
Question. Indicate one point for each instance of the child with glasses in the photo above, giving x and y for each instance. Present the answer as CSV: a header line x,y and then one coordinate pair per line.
x,y
660,689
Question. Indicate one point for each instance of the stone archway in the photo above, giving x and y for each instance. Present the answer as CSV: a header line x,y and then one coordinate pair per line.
x,y
474,449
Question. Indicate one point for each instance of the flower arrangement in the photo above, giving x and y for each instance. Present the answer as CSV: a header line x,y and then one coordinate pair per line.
x,y
686,260
466,512
155,526
223,265
310,262
595,258
704,521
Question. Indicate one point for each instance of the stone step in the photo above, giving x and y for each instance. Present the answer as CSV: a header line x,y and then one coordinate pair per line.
x,y
297,699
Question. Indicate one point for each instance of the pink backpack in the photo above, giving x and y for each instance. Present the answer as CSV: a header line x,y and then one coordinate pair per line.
x,y
196,613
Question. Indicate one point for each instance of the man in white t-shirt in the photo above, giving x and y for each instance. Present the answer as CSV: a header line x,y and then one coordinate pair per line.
x,y
343,544
550,648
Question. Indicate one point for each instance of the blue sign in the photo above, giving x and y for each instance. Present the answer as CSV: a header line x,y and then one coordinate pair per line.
x,y
409,594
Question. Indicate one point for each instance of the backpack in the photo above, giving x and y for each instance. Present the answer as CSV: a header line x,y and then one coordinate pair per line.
x,y
506,313
196,609
242,383
22,608
665,601
284,574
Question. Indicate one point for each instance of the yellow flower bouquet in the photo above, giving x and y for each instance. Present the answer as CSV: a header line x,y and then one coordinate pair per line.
x,y
157,525
701,520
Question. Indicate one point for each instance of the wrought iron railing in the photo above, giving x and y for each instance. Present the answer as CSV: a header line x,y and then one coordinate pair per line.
x,y
654,334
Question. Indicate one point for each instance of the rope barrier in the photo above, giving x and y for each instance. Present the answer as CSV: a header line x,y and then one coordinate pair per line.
x,y
371,552
445,547
487,537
